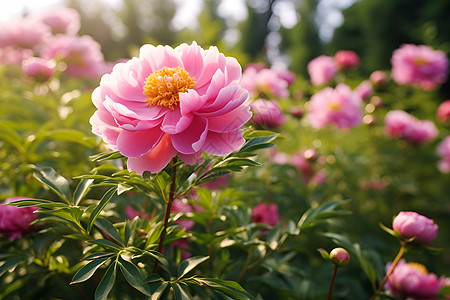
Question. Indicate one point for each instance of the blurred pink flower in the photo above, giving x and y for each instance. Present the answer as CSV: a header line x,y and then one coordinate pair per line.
x,y
38,68
179,206
184,246
322,69
61,20
412,281
267,214
274,81
81,54
14,56
346,59
410,224
339,107
267,113
15,221
24,33
378,77
171,102
443,150
304,165
400,124
364,90
419,64
443,112
132,213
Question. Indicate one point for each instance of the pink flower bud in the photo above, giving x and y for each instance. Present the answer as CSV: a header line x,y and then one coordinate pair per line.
x,y
339,257
378,77
38,68
267,214
346,59
267,113
364,90
443,112
15,221
410,224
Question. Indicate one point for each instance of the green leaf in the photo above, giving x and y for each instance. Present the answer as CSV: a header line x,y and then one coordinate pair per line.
x,y
72,214
10,136
106,284
187,265
10,264
88,270
122,188
180,292
107,227
158,289
54,181
316,215
96,255
81,190
158,256
106,244
69,135
106,156
129,231
229,288
258,143
133,276
105,199
37,203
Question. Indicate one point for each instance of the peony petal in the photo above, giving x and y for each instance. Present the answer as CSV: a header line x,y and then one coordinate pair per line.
x,y
138,143
154,161
233,70
192,139
230,121
190,159
218,82
223,143
228,104
174,122
192,59
190,101
103,125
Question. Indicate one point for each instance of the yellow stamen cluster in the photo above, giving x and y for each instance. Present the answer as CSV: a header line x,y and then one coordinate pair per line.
x,y
420,61
418,267
163,86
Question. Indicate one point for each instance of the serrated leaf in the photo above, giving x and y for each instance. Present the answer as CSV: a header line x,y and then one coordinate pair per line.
x,y
108,228
10,264
81,190
88,270
106,284
189,264
229,288
106,156
105,199
133,276
54,181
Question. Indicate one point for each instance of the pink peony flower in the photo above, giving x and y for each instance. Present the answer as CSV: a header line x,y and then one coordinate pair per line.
x,y
322,69
171,102
61,20
419,65
400,124
378,78
38,68
81,54
267,113
443,112
15,221
14,56
410,224
346,59
133,213
412,281
259,79
364,90
179,206
24,33
339,107
443,150
267,214
339,257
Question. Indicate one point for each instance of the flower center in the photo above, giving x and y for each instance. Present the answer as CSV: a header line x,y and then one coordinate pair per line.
x,y
334,105
418,267
163,86
420,61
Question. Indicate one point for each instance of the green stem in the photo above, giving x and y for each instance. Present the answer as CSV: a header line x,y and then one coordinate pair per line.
x,y
332,282
167,212
391,269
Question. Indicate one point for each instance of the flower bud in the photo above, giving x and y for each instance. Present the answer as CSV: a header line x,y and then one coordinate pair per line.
x,y
443,112
339,257
38,68
410,224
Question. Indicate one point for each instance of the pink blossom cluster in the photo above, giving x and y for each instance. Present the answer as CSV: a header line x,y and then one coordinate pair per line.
x,y
258,79
267,113
266,214
400,124
15,221
340,107
52,37
443,150
419,65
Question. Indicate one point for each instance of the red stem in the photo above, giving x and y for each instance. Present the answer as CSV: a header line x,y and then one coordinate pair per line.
x,y
332,282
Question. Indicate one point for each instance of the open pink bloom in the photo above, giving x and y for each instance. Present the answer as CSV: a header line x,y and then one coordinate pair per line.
x,y
400,124
61,20
364,90
267,214
411,224
412,281
322,69
340,107
15,221
443,150
346,59
81,54
443,112
267,113
38,68
419,65
171,102
274,81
